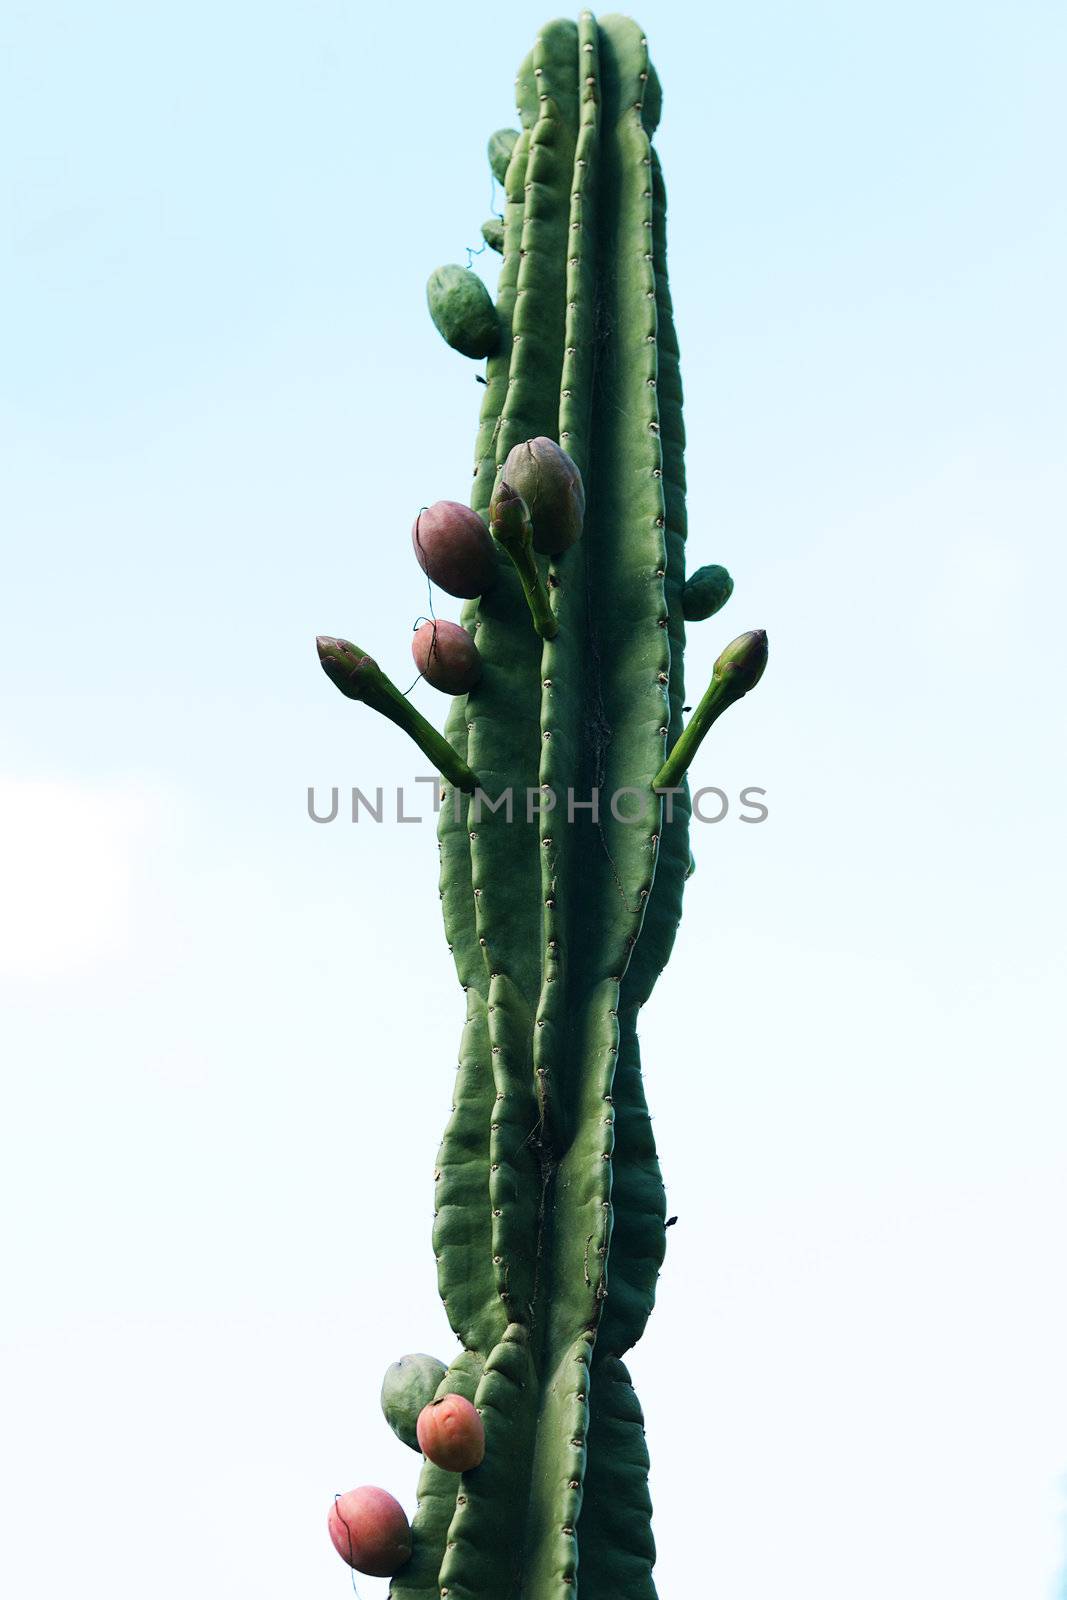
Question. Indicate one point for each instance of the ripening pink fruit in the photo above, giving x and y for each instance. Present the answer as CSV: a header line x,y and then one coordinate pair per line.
x,y
453,548
447,656
451,1434
370,1531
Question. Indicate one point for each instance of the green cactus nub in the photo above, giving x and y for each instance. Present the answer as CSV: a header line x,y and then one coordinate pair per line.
x,y
706,592
463,312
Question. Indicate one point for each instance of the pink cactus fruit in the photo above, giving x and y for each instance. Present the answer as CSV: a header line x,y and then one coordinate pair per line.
x,y
451,1434
370,1531
453,548
447,657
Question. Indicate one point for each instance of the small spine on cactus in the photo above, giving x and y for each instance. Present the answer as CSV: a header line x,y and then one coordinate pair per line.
x,y
511,526
738,669
359,677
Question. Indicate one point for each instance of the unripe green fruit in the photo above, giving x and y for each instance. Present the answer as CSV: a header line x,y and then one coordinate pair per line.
x,y
501,144
463,312
409,1385
493,234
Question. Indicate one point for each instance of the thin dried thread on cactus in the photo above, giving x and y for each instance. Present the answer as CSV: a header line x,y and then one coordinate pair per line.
x,y
429,600
472,253
351,1553
433,645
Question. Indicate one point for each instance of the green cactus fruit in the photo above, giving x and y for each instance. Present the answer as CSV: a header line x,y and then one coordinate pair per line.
x,y
551,486
463,312
409,1385
493,234
501,146
706,592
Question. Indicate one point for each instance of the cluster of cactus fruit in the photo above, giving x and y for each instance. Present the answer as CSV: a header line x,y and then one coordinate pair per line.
x,y
560,909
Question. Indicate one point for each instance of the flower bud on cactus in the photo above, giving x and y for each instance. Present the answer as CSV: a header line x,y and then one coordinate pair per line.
x,y
359,676
453,548
551,485
501,145
706,592
738,669
741,664
509,518
370,1531
348,667
447,657
409,1385
462,311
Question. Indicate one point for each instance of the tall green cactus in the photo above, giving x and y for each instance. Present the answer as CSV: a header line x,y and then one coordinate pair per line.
x,y
549,1212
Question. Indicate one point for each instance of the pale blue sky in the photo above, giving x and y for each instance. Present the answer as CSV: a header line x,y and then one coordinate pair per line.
x,y
229,1034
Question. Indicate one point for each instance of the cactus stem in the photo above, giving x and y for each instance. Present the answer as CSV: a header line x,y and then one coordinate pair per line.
x,y
737,670
359,677
511,526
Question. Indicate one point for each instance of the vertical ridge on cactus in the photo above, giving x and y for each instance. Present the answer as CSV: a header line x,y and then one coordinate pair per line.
x,y
561,874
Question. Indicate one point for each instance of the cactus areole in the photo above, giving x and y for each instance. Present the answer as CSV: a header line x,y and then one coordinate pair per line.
x,y
549,1219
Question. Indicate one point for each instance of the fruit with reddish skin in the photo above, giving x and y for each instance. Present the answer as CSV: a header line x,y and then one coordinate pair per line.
x,y
447,657
453,548
552,488
370,1531
451,1434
